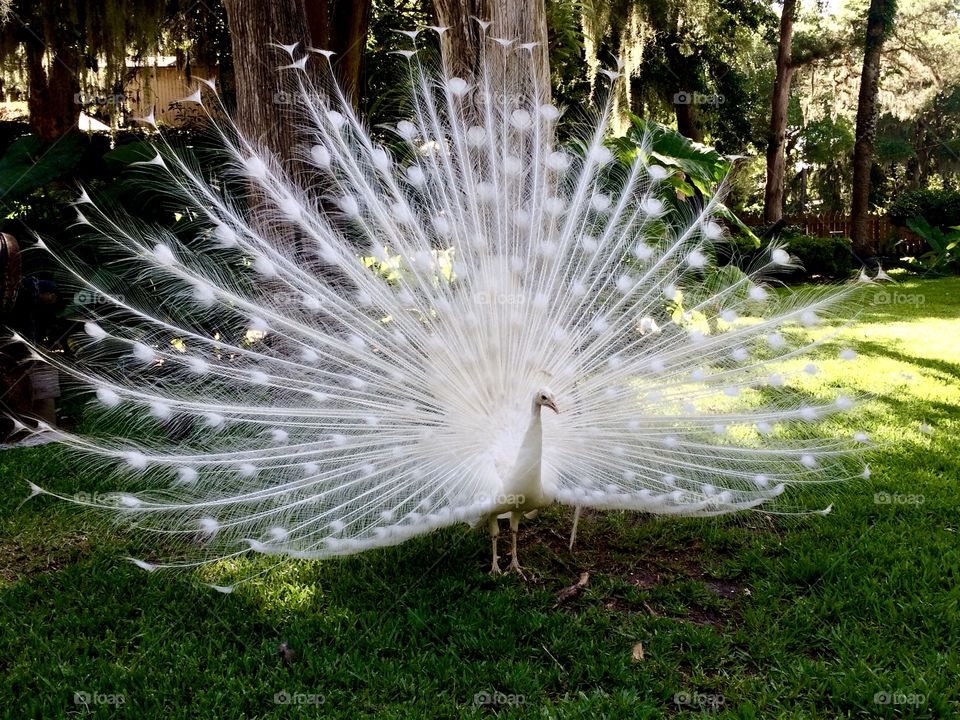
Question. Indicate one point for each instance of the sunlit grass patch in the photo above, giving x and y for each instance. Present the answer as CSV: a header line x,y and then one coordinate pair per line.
x,y
777,616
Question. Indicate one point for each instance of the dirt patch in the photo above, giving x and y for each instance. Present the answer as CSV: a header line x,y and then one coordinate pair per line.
x,y
609,554
643,578
726,589
19,560
704,617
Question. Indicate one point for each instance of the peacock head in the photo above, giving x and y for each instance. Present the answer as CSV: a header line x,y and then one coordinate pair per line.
x,y
544,398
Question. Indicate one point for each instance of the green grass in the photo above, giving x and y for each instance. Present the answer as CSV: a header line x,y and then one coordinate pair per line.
x,y
776,617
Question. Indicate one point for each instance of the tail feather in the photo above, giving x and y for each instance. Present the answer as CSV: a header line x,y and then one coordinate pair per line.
x,y
344,352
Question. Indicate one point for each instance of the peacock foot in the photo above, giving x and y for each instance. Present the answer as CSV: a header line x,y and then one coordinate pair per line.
x,y
515,567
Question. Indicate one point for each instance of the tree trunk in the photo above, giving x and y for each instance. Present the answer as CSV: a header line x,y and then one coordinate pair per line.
x,y
684,71
687,124
773,194
341,26
521,22
263,111
53,101
879,23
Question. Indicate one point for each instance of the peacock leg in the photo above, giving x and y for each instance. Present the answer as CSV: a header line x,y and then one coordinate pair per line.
x,y
494,532
514,529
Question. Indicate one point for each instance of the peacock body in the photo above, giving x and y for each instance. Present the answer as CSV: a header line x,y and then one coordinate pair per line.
x,y
459,321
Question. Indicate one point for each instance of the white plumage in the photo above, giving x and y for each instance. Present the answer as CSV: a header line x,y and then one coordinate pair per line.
x,y
365,356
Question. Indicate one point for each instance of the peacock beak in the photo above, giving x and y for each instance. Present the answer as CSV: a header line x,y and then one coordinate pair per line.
x,y
552,405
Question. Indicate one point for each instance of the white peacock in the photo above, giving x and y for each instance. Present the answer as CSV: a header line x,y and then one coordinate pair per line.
x,y
366,355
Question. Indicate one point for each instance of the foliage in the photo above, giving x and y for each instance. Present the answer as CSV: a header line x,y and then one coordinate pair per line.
x,y
940,207
690,47
386,74
567,52
830,256
917,126
944,253
698,171
822,257
702,168
826,147
29,164
100,33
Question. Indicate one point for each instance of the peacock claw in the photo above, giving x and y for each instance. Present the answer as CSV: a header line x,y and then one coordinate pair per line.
x,y
515,567
495,570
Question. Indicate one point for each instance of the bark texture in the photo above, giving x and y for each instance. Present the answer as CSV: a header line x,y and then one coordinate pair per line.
x,y
522,22
773,193
341,26
879,23
53,102
263,111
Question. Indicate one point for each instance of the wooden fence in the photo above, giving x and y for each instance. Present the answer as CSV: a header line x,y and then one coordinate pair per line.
x,y
882,234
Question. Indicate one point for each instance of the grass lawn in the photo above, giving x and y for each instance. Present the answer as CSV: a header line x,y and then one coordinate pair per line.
x,y
850,615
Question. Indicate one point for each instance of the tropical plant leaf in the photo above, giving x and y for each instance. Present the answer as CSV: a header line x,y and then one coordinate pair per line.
x,y
701,168
29,163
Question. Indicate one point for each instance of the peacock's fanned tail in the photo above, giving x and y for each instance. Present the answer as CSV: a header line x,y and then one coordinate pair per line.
x,y
345,358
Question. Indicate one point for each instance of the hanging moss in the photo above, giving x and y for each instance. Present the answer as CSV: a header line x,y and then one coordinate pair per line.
x,y
103,34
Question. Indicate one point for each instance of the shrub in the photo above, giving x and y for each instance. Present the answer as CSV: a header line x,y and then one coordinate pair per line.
x,y
822,256
786,232
940,208
828,256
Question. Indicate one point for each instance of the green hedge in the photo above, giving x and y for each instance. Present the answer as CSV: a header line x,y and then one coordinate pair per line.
x,y
830,256
821,256
940,208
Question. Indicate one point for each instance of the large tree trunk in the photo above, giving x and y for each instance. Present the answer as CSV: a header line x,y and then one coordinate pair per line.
x,y
688,124
341,26
773,194
521,22
53,101
879,23
263,112
684,71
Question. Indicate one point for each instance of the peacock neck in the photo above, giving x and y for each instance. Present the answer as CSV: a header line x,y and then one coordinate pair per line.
x,y
524,480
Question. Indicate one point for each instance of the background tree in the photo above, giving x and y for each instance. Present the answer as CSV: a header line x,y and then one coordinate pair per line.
x,y
880,19
341,26
704,68
773,196
522,22
62,39
255,29
689,62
